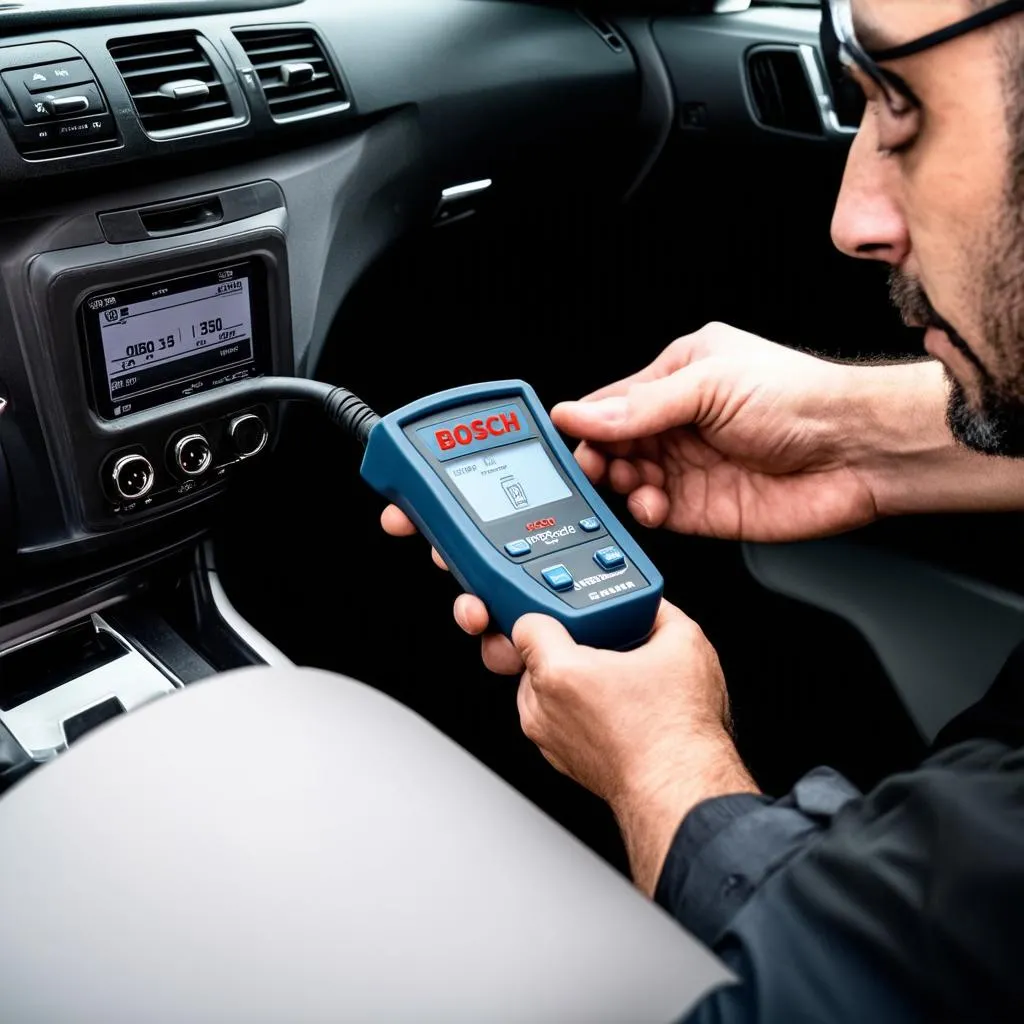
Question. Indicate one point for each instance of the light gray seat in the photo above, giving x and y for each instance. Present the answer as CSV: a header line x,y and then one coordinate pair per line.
x,y
284,845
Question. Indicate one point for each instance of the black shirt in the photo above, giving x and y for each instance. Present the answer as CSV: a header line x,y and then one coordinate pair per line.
x,y
902,905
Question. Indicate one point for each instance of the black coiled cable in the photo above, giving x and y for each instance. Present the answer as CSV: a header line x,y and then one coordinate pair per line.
x,y
340,406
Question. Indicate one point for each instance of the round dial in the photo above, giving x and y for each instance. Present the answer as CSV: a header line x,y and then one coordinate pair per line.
x,y
249,434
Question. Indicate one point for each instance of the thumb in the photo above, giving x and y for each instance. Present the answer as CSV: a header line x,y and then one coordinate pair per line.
x,y
645,409
541,639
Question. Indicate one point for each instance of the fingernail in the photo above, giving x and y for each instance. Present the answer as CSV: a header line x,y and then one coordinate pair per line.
x,y
640,511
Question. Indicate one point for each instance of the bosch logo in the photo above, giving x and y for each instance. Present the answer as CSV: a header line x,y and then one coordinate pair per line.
x,y
540,524
477,430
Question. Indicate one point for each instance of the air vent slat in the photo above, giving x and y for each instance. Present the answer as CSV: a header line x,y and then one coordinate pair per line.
x,y
126,55
155,61
273,89
175,70
288,96
273,65
284,51
782,95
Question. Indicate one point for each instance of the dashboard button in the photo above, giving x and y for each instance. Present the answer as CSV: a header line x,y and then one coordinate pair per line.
x,y
610,558
590,525
47,77
248,434
558,577
193,455
50,106
132,477
517,548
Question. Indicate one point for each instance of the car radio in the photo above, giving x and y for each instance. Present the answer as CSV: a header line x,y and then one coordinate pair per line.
x,y
153,343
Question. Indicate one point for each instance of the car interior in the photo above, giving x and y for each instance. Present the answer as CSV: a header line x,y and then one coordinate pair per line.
x,y
400,197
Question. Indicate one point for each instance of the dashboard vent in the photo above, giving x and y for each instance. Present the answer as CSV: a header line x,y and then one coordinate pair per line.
x,y
172,83
297,78
781,93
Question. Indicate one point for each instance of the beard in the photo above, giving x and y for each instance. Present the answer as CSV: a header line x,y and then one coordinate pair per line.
x,y
993,424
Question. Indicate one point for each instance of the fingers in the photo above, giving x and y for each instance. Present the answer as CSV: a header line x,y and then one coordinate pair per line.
x,y
540,640
677,355
671,628
396,523
592,462
649,506
644,410
499,656
471,614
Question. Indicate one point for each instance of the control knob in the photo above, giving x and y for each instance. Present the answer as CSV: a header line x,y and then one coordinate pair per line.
x,y
193,455
132,477
248,434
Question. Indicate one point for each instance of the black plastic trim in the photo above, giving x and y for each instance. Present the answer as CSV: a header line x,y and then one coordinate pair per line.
x,y
90,12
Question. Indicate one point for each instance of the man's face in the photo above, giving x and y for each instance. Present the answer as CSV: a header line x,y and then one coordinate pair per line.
x,y
937,191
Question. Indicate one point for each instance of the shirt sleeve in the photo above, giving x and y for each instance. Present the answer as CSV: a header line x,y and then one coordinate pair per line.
x,y
896,907
727,847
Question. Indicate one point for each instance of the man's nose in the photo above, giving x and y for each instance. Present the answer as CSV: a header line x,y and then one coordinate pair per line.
x,y
868,222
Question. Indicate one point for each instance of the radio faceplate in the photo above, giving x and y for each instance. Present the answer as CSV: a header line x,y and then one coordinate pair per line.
x,y
72,394
152,343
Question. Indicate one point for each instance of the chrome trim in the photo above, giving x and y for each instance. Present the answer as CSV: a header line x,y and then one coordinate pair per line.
x,y
234,426
184,89
470,188
244,630
207,460
134,679
297,73
116,472
822,95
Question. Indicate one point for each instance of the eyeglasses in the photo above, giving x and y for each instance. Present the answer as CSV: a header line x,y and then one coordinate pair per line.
x,y
895,91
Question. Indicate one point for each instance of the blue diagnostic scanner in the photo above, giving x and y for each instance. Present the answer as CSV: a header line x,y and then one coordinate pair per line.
x,y
482,472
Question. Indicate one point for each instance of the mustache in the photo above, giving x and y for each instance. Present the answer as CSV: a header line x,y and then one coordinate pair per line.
x,y
916,309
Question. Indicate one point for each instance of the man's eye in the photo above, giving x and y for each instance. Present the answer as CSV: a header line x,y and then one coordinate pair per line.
x,y
897,131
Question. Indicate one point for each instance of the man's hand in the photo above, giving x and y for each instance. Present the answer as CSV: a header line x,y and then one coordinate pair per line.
x,y
646,730
729,435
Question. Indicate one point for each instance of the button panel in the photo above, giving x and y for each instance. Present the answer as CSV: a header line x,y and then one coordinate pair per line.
x,y
50,106
45,77
56,105
196,460
558,577
591,583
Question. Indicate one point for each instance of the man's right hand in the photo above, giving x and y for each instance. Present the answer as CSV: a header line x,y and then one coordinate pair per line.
x,y
729,435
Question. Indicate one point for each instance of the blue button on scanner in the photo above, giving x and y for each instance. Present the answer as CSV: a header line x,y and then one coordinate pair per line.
x,y
610,558
590,525
558,577
517,548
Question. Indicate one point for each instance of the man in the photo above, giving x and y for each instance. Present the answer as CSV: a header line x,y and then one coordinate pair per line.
x,y
906,903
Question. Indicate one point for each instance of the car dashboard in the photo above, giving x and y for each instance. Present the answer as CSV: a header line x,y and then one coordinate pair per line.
x,y
192,189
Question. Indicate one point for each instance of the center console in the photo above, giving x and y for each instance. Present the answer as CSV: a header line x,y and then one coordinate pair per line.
x,y
128,336
137,347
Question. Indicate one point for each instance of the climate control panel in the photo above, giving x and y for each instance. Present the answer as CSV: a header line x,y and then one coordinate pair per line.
x,y
143,477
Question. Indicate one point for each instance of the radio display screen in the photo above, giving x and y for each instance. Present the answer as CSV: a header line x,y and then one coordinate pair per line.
x,y
154,343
